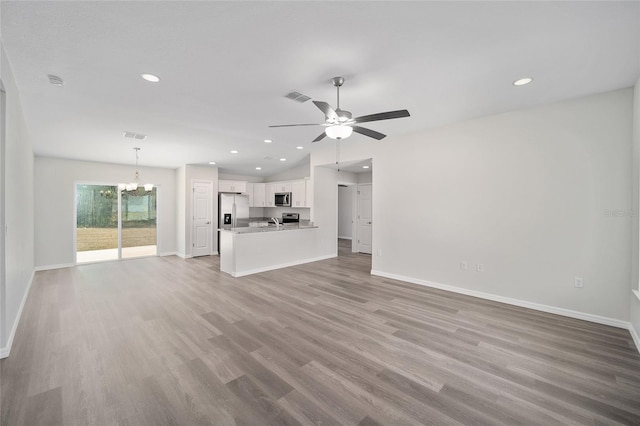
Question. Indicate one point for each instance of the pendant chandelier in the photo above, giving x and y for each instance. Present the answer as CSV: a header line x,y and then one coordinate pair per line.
x,y
133,186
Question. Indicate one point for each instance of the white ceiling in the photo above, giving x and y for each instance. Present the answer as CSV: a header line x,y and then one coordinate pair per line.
x,y
226,66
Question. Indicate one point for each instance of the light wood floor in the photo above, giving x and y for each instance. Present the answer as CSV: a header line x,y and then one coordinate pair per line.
x,y
167,341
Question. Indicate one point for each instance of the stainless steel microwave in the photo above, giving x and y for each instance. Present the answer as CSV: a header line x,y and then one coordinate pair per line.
x,y
283,199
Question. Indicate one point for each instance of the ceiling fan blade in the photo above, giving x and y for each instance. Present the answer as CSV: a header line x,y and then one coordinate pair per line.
x,y
294,125
382,116
368,132
320,137
329,112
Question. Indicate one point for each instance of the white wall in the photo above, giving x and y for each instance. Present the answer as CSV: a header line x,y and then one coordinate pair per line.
x,y
298,172
55,181
324,212
345,211
634,305
347,178
525,193
229,176
181,211
366,177
17,188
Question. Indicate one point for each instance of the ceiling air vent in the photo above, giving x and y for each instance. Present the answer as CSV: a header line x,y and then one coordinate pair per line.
x,y
132,135
55,80
297,96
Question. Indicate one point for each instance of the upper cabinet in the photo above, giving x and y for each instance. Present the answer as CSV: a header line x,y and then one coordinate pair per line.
x,y
263,194
269,194
298,193
232,186
258,199
249,192
282,186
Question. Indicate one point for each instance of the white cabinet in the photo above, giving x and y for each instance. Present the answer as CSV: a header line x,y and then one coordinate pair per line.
x,y
232,186
282,186
250,193
258,196
298,189
269,194
298,194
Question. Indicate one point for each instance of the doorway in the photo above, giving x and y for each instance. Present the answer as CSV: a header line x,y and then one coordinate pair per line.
x,y
354,224
112,224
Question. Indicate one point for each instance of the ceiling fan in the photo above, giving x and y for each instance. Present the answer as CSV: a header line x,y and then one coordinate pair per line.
x,y
339,124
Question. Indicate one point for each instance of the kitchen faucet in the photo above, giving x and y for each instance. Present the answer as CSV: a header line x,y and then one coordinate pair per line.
x,y
276,221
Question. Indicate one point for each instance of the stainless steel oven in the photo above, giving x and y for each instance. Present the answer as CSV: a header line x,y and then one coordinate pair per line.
x,y
290,217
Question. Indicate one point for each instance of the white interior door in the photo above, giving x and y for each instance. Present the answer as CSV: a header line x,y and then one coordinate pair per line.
x,y
3,227
202,218
364,218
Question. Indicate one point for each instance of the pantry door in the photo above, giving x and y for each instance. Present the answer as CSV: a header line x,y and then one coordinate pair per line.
x,y
202,218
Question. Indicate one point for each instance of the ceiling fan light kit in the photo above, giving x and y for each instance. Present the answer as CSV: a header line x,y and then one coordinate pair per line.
x,y
339,123
339,131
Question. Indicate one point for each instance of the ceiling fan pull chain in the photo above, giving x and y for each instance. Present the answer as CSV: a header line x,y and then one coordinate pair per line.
x,y
338,154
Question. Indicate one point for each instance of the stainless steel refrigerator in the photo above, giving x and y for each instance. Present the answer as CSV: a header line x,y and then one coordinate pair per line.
x,y
233,210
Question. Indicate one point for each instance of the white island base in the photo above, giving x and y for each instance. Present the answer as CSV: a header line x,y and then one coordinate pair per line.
x,y
246,253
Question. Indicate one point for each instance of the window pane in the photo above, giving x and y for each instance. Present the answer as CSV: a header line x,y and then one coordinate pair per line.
x,y
139,223
96,223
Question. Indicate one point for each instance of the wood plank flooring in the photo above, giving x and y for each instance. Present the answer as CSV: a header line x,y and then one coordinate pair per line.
x,y
168,341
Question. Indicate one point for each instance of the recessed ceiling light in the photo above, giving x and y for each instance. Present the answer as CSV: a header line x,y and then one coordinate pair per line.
x,y
522,81
268,141
299,147
234,152
150,77
283,159
212,162
365,167
258,168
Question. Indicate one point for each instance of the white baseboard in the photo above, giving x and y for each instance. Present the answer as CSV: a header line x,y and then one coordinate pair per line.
x,y
49,267
4,352
516,302
344,238
168,253
282,265
183,255
634,336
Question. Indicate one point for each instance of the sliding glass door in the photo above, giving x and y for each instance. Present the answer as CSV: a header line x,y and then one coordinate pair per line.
x,y
113,224
138,218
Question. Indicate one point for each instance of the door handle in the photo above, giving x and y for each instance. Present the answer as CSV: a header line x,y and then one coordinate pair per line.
x,y
369,223
208,223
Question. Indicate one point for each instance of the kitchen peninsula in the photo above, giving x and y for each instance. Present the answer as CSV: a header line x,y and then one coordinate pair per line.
x,y
252,249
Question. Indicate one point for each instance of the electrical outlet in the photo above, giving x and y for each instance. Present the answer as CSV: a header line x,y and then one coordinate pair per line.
x,y
480,267
578,282
464,265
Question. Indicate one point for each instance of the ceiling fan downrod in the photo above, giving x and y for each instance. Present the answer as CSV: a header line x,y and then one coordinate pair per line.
x,y
337,82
